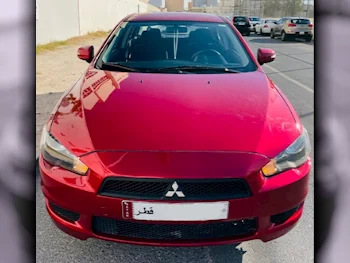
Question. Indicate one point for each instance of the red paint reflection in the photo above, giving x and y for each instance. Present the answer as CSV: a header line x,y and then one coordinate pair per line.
x,y
100,86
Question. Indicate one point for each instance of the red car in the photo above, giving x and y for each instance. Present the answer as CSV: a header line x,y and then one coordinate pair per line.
x,y
175,136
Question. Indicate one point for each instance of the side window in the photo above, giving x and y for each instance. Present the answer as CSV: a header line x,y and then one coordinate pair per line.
x,y
280,21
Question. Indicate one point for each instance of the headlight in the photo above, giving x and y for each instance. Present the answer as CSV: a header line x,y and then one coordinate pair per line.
x,y
56,154
294,156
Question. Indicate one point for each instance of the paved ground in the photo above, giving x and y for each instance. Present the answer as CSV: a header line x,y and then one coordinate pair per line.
x,y
293,73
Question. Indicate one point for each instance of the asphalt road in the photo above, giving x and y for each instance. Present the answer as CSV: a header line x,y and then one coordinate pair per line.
x,y
293,72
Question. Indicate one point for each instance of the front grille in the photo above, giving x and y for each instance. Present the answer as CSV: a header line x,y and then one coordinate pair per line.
x,y
173,232
283,217
64,214
156,189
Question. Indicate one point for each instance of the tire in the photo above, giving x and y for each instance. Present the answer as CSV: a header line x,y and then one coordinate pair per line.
x,y
261,33
272,34
284,36
308,39
248,34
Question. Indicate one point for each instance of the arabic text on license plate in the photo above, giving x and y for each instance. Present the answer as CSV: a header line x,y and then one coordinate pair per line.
x,y
153,211
301,33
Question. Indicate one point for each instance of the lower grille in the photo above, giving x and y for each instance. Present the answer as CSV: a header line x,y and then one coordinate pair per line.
x,y
64,214
173,232
283,217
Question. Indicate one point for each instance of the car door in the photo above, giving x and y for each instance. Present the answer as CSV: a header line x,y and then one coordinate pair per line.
x,y
279,26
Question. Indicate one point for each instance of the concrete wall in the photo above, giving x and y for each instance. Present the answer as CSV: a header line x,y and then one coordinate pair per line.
x,y
62,19
56,20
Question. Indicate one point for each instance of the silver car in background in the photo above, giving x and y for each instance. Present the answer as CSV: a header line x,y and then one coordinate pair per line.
x,y
292,28
254,20
265,25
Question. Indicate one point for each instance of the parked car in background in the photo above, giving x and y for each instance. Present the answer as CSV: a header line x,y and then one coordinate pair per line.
x,y
292,28
265,25
243,24
254,20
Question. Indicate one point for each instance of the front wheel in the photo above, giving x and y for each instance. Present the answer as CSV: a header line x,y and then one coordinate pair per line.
x,y
248,34
272,34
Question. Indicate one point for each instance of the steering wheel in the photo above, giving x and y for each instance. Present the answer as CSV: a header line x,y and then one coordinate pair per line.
x,y
204,54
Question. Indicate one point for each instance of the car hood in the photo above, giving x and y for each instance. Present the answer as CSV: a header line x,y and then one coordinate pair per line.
x,y
119,111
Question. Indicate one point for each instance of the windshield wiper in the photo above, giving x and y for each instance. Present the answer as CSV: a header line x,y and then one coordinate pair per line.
x,y
110,65
195,69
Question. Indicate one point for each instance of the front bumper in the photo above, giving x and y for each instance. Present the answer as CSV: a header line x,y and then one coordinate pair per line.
x,y
73,193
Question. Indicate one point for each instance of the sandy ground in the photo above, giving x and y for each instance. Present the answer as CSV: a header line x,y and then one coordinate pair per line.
x,y
57,71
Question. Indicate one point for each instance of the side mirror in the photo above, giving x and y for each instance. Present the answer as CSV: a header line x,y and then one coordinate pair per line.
x,y
86,53
266,55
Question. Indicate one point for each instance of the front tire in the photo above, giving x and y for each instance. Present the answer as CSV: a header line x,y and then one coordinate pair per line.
x,y
272,34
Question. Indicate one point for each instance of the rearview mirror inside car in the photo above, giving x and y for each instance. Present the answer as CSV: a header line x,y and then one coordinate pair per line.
x,y
86,53
266,55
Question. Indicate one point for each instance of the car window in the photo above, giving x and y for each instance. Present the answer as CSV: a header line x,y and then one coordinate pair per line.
x,y
301,21
162,44
240,19
255,19
270,21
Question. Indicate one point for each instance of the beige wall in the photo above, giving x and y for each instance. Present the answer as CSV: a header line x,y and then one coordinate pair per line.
x,y
174,5
60,20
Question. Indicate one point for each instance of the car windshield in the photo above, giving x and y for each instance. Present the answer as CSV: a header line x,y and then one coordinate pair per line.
x,y
270,21
176,46
254,19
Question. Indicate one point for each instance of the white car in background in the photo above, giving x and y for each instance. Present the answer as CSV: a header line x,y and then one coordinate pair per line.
x,y
265,25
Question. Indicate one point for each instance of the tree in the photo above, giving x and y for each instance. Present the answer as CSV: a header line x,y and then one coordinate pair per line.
x,y
293,7
272,8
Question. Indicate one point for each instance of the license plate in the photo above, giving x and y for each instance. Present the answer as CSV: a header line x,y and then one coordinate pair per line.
x,y
241,24
301,33
175,211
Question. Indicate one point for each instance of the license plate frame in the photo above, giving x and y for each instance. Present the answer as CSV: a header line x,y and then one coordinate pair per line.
x,y
184,211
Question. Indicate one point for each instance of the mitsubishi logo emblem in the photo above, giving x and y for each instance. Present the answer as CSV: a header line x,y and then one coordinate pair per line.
x,y
175,186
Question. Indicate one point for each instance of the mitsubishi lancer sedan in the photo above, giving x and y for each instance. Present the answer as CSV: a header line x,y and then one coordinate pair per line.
x,y
175,136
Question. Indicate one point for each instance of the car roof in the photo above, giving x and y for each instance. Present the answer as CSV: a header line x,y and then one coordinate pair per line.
x,y
295,17
176,16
